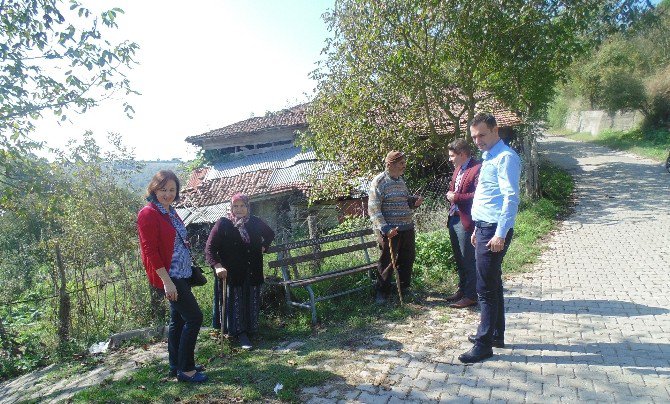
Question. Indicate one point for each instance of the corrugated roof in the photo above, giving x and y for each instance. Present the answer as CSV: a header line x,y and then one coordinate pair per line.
x,y
263,175
203,214
265,161
299,173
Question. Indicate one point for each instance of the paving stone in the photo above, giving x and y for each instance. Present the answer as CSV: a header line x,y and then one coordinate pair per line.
x,y
409,372
462,380
454,400
513,396
479,393
395,400
369,398
321,400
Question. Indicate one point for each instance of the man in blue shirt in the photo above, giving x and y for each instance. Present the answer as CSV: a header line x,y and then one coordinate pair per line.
x,y
494,210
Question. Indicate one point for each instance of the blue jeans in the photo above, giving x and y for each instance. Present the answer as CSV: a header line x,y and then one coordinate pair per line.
x,y
464,255
489,287
185,322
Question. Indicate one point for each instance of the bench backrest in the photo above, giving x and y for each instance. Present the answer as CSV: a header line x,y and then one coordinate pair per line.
x,y
286,259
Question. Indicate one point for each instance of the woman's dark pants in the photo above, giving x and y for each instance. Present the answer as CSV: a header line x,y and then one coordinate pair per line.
x,y
185,322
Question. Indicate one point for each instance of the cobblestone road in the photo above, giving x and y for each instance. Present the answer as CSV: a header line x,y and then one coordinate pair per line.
x,y
590,323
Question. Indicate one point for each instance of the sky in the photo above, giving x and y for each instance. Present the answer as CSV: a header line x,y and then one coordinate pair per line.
x,y
201,67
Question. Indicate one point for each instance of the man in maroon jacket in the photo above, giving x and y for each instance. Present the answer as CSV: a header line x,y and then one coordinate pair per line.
x,y
460,196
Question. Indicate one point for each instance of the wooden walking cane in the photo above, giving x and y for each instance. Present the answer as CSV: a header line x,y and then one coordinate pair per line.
x,y
222,309
395,269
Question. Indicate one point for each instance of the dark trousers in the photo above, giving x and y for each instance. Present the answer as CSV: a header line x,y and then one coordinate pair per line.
x,y
185,322
404,248
464,255
489,287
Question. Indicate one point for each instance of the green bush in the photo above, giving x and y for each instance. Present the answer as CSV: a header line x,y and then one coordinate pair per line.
x,y
434,267
657,114
556,185
558,111
351,223
21,342
622,91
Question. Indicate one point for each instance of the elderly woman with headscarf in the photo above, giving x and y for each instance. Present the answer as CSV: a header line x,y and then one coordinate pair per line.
x,y
235,250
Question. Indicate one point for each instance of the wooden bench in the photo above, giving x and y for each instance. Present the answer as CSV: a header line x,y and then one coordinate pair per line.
x,y
292,277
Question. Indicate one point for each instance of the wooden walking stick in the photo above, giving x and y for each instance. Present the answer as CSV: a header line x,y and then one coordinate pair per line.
x,y
395,270
222,309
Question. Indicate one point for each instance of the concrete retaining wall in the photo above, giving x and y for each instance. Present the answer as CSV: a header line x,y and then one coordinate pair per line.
x,y
595,122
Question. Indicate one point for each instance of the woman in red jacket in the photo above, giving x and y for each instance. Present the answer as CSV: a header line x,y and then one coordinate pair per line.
x,y
167,260
235,250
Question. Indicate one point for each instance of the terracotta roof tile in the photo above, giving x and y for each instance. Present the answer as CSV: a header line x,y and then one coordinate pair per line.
x,y
287,118
197,177
220,190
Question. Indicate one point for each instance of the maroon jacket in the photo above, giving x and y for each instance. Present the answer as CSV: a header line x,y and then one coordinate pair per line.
x,y
463,198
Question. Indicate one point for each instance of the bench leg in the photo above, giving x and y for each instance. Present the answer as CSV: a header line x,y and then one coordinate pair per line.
x,y
287,291
312,303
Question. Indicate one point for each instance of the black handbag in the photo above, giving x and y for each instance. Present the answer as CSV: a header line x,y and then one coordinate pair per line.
x,y
197,277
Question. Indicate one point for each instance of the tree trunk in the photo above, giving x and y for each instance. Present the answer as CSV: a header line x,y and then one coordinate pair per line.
x,y
531,163
63,303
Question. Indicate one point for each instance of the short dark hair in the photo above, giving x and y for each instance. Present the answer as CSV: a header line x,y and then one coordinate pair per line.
x,y
485,117
459,146
159,180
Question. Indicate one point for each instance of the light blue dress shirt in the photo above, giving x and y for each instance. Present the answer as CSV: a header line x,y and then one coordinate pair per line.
x,y
497,194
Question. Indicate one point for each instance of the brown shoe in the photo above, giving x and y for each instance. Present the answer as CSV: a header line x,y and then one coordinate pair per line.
x,y
455,297
463,303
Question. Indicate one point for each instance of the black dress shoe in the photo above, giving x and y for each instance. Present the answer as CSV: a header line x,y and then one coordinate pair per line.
x,y
497,343
475,354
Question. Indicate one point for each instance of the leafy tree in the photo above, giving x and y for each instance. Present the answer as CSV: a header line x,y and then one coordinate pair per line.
x,y
54,57
49,63
409,74
91,218
626,71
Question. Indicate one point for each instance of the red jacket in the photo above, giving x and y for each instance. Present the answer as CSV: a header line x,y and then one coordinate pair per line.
x,y
157,238
464,197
